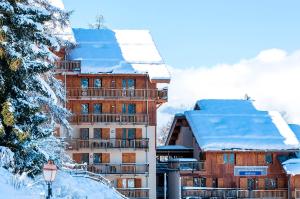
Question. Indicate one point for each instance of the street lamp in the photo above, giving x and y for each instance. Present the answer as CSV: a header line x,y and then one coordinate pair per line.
x,y
49,172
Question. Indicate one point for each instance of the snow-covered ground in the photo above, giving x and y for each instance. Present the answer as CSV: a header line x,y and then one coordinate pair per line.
x,y
64,187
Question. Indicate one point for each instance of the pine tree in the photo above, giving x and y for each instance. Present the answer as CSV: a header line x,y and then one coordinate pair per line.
x,y
29,93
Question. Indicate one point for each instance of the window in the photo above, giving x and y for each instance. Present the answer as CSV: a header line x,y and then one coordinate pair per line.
x,y
196,182
97,133
85,158
113,84
202,156
84,133
130,183
97,108
202,182
128,83
131,134
97,158
229,158
215,182
129,108
252,183
270,183
84,109
84,83
97,83
269,158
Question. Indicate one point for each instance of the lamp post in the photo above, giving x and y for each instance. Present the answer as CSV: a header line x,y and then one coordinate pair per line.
x,y
49,172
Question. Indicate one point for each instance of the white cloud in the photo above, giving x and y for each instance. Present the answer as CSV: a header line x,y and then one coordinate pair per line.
x,y
272,79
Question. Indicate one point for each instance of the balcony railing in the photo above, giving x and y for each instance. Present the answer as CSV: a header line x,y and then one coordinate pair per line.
x,y
108,93
188,192
76,144
67,66
297,194
186,166
134,192
126,168
281,193
110,118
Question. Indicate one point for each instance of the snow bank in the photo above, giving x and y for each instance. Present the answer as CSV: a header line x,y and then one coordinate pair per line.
x,y
64,187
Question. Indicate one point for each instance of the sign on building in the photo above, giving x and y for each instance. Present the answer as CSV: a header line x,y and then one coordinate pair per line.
x,y
250,170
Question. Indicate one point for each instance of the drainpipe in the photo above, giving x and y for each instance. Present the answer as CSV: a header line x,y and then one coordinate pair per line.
x,y
165,185
289,187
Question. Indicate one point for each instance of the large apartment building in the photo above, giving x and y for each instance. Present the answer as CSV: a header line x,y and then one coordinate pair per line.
x,y
111,79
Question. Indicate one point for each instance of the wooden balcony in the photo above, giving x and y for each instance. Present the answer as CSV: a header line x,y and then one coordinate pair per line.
x,y
126,168
109,118
76,144
67,66
141,193
202,192
109,93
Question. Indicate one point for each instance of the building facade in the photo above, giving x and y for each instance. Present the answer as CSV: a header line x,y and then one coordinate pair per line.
x,y
238,152
114,106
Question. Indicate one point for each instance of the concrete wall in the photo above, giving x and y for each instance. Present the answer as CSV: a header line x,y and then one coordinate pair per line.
x,y
174,185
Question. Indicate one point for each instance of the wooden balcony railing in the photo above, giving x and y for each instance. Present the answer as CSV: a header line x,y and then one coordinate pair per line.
x,y
109,118
297,194
134,192
128,168
67,66
203,192
278,193
76,144
109,93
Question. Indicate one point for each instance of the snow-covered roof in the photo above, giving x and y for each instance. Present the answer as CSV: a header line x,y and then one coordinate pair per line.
x,y
118,51
236,124
292,166
173,147
296,129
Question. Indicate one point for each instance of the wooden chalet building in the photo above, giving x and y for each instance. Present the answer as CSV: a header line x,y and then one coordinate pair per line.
x,y
229,149
111,79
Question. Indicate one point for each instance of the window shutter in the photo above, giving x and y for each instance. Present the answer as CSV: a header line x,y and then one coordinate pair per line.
x,y
138,183
105,157
118,133
105,133
119,183
138,133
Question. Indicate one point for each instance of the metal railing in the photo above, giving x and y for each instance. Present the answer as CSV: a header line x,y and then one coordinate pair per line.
x,y
109,118
125,168
187,166
134,192
67,66
112,93
76,144
232,193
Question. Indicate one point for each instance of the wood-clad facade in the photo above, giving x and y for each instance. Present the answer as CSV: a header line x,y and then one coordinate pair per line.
x,y
232,173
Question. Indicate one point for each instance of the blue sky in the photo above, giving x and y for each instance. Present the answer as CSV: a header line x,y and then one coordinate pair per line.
x,y
198,33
